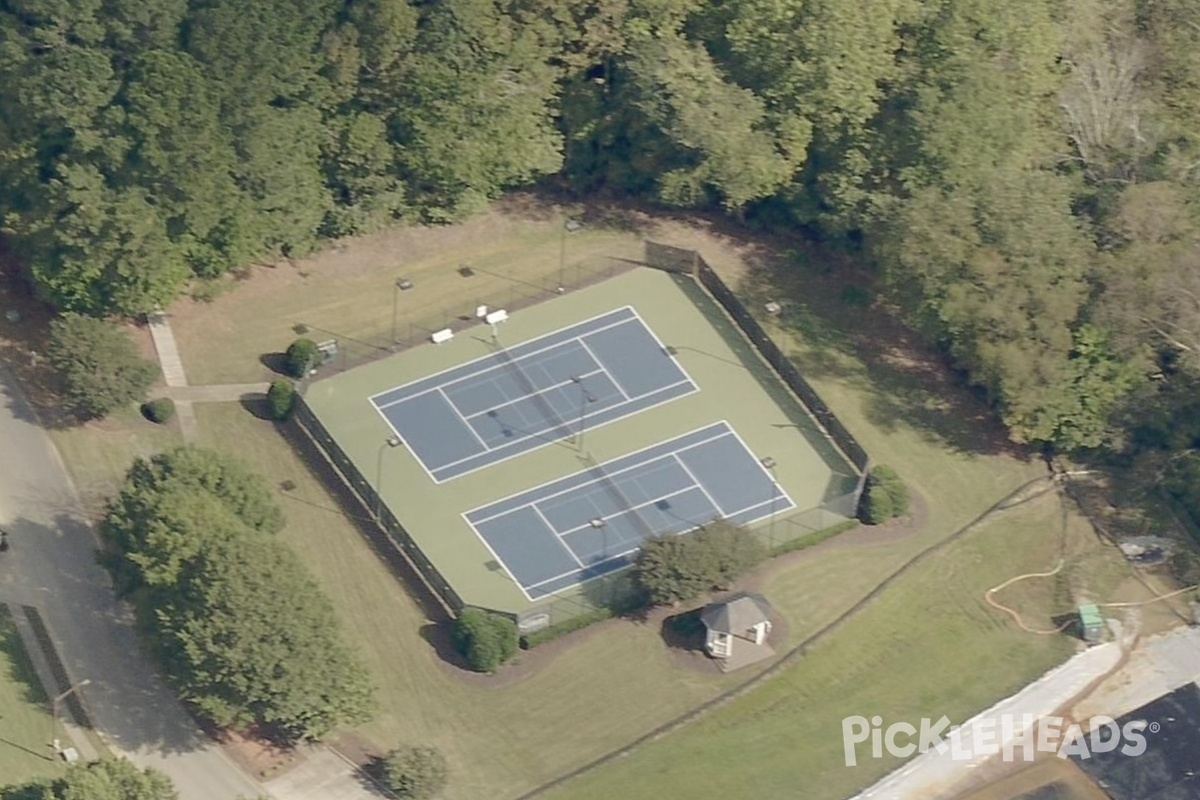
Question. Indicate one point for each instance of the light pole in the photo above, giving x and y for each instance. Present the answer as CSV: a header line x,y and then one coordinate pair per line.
x,y
54,712
584,397
400,285
391,441
602,526
769,463
569,226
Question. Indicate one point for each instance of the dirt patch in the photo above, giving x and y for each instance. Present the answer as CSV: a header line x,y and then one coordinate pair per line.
x,y
255,754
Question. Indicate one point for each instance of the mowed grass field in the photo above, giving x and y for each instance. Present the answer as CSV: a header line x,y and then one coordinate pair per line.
x,y
927,642
24,713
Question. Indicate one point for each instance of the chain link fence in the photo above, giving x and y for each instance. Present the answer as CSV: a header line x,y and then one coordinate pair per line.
x,y
502,291
615,591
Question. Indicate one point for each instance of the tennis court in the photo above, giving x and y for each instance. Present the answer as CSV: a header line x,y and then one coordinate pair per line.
x,y
588,524
537,392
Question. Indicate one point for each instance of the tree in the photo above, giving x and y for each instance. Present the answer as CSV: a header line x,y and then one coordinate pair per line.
x,y
414,772
674,568
189,471
249,638
100,369
884,496
486,639
110,779
281,399
301,356
246,635
474,111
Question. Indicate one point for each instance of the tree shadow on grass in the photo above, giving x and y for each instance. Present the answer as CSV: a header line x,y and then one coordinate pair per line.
x,y
20,667
827,303
275,362
684,631
440,636
256,406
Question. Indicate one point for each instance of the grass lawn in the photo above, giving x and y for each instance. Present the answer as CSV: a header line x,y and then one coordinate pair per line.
x,y
24,715
927,646
346,292
99,453
926,643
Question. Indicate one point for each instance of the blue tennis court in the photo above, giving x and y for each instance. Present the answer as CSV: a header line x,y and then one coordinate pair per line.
x,y
534,393
592,523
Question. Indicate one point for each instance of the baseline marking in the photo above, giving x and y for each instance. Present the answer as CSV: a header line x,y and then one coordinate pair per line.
x,y
696,481
599,363
554,531
463,420
494,367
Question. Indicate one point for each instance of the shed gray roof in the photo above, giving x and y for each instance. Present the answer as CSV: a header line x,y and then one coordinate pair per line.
x,y
737,613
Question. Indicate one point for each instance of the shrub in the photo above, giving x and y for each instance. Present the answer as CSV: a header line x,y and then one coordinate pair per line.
x,y
98,364
414,772
159,410
674,568
552,632
301,356
876,505
885,496
487,640
281,399
813,539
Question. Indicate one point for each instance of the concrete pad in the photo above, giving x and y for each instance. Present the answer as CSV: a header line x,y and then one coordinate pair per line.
x,y
321,775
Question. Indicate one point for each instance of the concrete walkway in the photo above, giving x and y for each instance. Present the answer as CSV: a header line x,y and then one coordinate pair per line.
x,y
320,774
52,566
168,351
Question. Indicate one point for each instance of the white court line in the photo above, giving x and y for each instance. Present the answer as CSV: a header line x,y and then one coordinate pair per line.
x,y
466,424
579,324
541,434
771,504
512,575
696,481
636,508
472,376
554,531
659,342
596,565
420,461
604,369
608,475
766,471
567,382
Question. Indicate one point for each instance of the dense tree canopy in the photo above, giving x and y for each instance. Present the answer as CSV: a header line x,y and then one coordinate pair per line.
x,y
111,779
1023,176
243,630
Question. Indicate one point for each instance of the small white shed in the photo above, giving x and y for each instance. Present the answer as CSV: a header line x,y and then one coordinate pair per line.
x,y
743,616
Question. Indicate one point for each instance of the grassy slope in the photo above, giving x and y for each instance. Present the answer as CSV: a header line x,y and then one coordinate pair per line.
x,y
927,645
617,682
24,719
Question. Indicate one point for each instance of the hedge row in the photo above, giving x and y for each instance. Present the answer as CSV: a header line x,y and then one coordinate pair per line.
x,y
813,539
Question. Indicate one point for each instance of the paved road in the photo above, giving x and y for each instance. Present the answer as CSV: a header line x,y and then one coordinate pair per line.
x,y
52,565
